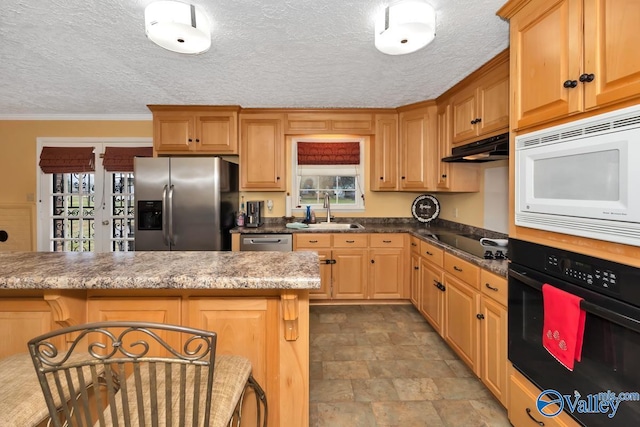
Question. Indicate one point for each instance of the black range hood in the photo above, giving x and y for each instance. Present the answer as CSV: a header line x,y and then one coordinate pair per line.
x,y
485,150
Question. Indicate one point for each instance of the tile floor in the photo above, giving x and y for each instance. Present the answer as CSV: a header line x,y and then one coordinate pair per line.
x,y
383,365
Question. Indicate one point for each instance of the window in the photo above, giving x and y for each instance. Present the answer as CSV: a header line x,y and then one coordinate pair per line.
x,y
324,166
90,211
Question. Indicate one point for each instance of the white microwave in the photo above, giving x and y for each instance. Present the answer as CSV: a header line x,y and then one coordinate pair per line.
x,y
582,178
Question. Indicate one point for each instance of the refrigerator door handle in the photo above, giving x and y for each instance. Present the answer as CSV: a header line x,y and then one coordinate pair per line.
x,y
171,241
165,214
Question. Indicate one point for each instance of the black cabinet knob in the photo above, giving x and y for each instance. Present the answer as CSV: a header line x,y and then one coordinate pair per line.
x,y
479,119
381,178
190,140
480,316
473,122
402,177
197,140
444,176
570,84
373,262
586,78
277,178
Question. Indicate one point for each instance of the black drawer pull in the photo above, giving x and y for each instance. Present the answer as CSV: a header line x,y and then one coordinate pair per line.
x,y
416,268
540,423
350,241
491,287
386,241
313,241
428,253
414,244
456,268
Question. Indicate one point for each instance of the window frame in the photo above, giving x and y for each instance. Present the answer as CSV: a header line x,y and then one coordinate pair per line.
x,y
337,170
101,182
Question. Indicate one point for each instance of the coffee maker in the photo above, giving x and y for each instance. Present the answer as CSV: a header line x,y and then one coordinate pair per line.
x,y
255,213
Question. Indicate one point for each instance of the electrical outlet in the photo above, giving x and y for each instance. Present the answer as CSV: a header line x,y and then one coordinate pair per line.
x,y
455,212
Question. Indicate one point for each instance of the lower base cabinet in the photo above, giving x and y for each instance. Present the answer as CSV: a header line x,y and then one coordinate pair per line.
x,y
461,326
432,297
349,273
522,407
493,339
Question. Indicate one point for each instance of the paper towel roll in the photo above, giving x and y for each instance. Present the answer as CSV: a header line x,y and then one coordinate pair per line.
x,y
287,206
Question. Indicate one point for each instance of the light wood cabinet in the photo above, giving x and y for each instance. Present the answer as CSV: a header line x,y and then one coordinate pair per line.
x,y
587,60
195,129
461,326
493,346
522,407
315,122
418,148
231,318
384,154
482,108
322,244
262,152
452,176
22,319
349,273
432,294
388,264
414,280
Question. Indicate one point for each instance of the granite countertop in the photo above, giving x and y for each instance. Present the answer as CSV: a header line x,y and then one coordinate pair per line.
x,y
400,225
160,270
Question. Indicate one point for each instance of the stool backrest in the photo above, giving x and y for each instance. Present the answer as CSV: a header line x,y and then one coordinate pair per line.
x,y
127,373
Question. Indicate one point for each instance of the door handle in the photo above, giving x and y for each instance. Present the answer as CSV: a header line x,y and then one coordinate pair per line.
x,y
170,203
165,216
456,268
491,287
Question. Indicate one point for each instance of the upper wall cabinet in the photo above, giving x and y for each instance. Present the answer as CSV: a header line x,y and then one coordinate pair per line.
x,y
570,56
418,149
329,123
262,155
481,107
384,154
195,129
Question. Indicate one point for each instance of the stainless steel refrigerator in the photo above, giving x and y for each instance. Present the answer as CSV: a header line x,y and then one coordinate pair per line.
x,y
184,203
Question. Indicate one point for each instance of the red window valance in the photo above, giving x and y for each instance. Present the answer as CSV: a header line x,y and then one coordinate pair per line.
x,y
67,159
328,153
120,159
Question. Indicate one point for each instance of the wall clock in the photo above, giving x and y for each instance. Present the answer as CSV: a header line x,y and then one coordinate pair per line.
x,y
425,208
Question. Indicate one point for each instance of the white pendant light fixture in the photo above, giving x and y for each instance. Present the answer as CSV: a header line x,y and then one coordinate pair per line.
x,y
178,27
404,27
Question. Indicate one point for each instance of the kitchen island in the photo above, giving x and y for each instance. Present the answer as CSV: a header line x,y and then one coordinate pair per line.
x,y
257,302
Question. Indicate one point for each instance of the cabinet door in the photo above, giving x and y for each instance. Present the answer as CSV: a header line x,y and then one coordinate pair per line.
x,y
493,101
432,295
247,327
217,133
461,325
173,132
349,273
414,293
546,46
464,114
324,292
386,273
611,46
262,154
493,336
444,146
22,319
156,310
384,175
417,150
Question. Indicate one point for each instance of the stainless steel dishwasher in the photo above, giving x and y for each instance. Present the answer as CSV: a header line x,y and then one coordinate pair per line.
x,y
266,242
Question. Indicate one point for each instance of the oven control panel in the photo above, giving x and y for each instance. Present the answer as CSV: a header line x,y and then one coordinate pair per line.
x,y
583,272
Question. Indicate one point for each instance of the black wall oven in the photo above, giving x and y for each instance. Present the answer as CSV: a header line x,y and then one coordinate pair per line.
x,y
611,348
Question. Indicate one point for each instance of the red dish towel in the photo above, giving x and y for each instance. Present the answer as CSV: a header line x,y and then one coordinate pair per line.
x,y
563,325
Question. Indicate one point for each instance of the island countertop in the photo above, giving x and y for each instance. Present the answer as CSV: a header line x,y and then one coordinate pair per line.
x,y
159,270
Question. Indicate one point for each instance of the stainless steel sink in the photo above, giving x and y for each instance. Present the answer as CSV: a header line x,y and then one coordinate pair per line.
x,y
334,226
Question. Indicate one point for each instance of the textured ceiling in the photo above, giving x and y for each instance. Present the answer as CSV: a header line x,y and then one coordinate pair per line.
x,y
91,57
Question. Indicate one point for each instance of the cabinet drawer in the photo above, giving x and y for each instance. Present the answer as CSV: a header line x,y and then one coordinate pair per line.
x,y
414,244
384,240
494,286
350,240
522,405
461,269
431,253
312,241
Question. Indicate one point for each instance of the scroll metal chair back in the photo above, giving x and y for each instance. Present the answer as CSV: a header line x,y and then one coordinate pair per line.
x,y
127,374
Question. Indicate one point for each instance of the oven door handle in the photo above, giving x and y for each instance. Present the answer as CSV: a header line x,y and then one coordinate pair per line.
x,y
612,316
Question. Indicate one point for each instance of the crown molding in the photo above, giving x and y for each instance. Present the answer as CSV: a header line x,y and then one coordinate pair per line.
x,y
79,117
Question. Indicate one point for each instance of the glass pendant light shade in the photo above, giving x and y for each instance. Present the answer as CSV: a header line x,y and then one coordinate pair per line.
x,y
405,27
178,27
